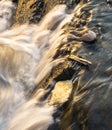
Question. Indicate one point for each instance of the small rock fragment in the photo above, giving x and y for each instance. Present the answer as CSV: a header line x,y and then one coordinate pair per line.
x,y
89,37
61,92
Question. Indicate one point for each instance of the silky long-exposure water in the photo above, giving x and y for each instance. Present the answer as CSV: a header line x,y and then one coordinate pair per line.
x,y
29,54
24,64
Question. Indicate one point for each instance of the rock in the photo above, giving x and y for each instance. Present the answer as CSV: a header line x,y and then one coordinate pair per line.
x,y
61,92
89,37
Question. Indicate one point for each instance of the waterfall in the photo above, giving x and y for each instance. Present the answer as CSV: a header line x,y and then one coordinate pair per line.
x,y
26,58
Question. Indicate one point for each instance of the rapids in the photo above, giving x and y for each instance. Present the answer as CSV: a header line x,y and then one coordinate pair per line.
x,y
26,58
29,54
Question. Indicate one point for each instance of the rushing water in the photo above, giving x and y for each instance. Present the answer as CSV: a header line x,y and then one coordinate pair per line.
x,y
26,58
22,61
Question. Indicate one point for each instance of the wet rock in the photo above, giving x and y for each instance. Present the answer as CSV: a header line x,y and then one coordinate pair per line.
x,y
61,92
89,36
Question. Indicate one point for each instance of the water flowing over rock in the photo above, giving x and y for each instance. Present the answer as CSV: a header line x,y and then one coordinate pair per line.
x,y
55,65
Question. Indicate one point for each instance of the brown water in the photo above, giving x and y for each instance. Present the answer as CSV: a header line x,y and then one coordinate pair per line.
x,y
29,52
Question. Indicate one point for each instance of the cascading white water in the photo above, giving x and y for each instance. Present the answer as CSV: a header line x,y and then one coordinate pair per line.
x,y
26,57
